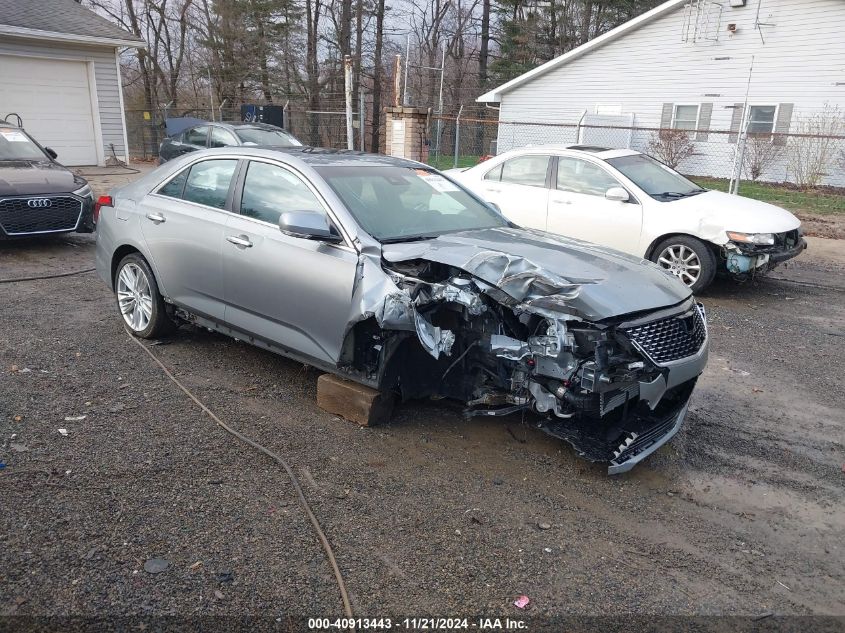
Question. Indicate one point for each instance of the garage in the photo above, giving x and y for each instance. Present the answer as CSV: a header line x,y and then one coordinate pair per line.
x,y
54,99
60,73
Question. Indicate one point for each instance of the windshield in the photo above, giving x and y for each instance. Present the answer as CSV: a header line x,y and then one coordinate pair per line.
x,y
655,178
259,136
16,145
395,204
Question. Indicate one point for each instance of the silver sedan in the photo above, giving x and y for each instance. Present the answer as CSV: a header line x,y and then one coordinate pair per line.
x,y
388,273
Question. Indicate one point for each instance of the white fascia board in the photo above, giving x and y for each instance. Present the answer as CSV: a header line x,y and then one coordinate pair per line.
x,y
495,95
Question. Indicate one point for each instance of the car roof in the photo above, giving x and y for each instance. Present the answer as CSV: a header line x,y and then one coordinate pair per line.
x,y
318,156
254,124
592,150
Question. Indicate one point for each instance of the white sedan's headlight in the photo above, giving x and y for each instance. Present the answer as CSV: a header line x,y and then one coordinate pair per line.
x,y
752,238
84,192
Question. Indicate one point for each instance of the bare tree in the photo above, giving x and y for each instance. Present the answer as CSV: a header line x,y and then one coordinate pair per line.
x,y
761,152
671,147
811,150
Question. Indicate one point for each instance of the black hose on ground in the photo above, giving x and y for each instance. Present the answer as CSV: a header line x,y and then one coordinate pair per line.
x,y
347,607
40,277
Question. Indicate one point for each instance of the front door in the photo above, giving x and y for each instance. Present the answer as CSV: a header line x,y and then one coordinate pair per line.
x,y
519,187
183,224
578,207
290,291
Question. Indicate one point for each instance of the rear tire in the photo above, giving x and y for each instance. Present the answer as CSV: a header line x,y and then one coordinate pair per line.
x,y
689,259
138,299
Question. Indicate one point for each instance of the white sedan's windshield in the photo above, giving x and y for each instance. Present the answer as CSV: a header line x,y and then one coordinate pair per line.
x,y
16,145
395,204
655,178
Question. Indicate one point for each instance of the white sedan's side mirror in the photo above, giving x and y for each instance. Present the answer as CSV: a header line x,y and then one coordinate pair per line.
x,y
617,194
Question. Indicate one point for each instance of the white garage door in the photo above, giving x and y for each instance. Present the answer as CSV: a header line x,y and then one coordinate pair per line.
x,y
54,100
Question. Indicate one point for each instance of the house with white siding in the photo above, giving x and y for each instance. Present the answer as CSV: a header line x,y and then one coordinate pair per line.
x,y
700,65
60,73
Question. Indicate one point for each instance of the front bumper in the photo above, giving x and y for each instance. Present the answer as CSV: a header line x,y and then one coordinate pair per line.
x,y
646,443
741,259
777,258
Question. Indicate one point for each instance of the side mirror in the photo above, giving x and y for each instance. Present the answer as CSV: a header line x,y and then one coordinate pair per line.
x,y
51,153
308,225
617,194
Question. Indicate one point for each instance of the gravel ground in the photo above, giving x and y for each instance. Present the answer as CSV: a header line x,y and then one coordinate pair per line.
x,y
741,514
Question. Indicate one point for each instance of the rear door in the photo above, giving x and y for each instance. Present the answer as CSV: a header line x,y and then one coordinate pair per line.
x,y
578,207
182,223
291,291
520,188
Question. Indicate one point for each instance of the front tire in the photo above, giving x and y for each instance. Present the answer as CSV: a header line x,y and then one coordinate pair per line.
x,y
689,259
138,299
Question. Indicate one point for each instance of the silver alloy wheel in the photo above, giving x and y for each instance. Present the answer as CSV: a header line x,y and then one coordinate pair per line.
x,y
682,262
134,297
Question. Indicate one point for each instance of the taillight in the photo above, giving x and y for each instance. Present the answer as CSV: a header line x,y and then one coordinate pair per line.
x,y
102,201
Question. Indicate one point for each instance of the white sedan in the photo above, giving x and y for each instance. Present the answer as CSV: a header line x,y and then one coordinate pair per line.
x,y
629,201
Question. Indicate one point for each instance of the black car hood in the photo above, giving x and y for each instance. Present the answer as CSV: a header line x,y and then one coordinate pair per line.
x,y
551,273
25,177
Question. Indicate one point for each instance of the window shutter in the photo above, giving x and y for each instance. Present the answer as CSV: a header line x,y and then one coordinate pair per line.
x,y
782,123
736,122
666,115
705,113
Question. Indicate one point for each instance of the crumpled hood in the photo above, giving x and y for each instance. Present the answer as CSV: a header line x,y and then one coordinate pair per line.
x,y
551,273
23,178
721,212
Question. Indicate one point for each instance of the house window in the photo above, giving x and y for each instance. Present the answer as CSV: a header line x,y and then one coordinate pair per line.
x,y
613,109
685,117
761,119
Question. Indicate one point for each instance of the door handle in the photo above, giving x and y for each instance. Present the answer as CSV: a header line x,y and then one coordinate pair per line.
x,y
239,240
158,218
494,190
559,201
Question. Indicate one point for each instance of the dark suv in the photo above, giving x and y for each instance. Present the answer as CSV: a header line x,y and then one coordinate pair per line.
x,y
38,195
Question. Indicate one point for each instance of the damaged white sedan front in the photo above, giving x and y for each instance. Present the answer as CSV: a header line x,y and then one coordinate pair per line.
x,y
385,272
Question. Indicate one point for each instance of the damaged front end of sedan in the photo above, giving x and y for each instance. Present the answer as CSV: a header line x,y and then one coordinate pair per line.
x,y
504,335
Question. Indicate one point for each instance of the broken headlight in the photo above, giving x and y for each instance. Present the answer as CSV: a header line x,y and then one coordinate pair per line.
x,y
765,239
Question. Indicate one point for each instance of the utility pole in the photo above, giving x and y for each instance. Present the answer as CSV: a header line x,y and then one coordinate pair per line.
x,y
742,138
347,75
210,93
407,61
397,72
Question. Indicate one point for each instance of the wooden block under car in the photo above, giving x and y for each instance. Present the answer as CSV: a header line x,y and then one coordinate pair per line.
x,y
352,401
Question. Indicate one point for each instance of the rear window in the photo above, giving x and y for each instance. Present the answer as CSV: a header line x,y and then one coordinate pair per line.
x,y
262,136
205,183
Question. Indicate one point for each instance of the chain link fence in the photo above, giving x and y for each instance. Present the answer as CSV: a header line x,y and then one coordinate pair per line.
x,y
796,160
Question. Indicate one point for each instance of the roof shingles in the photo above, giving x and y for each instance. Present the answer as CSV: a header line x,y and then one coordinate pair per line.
x,y
60,16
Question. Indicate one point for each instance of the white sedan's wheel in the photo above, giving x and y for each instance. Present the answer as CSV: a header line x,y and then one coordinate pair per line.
x,y
688,258
681,262
134,297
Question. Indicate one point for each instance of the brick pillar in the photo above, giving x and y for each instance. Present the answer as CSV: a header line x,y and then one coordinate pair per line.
x,y
406,132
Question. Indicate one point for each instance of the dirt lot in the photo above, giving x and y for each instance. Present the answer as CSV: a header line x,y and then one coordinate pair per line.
x,y
741,514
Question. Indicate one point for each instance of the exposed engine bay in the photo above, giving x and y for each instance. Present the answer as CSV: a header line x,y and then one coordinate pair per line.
x,y
616,389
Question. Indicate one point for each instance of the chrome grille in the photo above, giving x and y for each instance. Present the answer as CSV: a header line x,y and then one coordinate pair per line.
x,y
18,218
672,338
